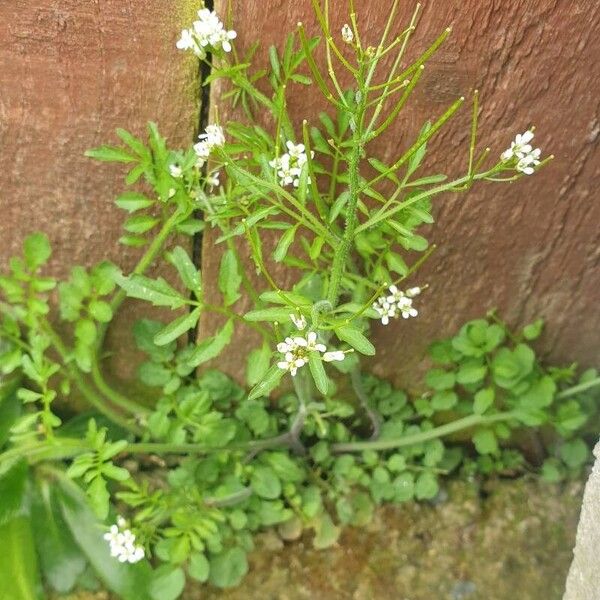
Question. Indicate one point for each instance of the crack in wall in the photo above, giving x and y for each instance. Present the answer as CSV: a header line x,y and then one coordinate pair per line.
x,y
204,72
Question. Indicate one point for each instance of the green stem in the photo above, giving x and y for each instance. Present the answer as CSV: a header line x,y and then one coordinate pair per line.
x,y
90,395
422,436
146,260
113,395
341,255
577,389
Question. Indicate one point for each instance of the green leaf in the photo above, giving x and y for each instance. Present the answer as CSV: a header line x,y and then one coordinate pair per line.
x,y
85,331
265,483
36,249
133,201
438,379
19,575
13,479
258,364
533,330
444,400
356,339
190,276
211,347
156,291
539,395
129,582
327,533
269,382
177,327
140,224
426,486
101,311
318,373
228,568
287,298
510,367
134,241
483,400
99,497
167,583
404,487
274,60
134,143
273,314
198,567
229,278
471,371
574,453
485,442
10,409
552,471
110,154
284,243
61,560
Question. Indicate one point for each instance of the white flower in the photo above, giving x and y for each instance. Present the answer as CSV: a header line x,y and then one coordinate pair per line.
x,y
333,355
291,363
312,345
296,350
412,292
211,138
298,321
113,536
406,308
396,303
122,543
520,147
189,42
528,162
207,34
385,309
175,171
289,165
347,34
213,135
212,179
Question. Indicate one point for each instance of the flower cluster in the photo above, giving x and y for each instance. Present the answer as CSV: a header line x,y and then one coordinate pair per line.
x,y
347,34
122,543
208,33
289,165
211,138
396,303
296,349
527,158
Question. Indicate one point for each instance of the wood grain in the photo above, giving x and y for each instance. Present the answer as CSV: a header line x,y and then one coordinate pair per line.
x,y
530,248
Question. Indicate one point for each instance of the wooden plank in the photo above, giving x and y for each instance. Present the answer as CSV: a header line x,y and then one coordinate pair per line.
x,y
529,248
72,72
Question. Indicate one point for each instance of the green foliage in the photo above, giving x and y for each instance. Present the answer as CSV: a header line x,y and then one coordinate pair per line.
x,y
313,444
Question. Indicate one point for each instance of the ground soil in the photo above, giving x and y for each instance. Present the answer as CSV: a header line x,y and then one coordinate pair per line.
x,y
510,540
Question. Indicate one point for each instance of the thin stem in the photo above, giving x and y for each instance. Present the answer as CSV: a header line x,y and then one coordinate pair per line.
x,y
230,500
359,390
382,215
146,260
310,61
422,436
113,395
577,389
397,60
90,395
